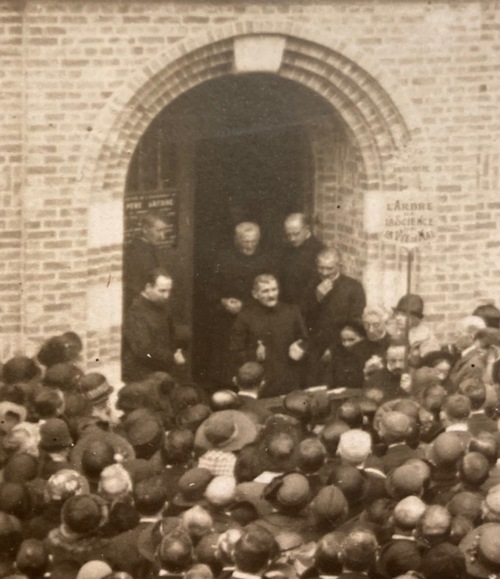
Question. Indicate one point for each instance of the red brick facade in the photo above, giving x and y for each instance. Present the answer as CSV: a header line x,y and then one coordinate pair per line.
x,y
414,90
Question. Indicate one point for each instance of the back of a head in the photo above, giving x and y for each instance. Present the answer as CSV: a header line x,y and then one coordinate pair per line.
x,y
197,521
330,435
199,571
408,512
475,391
19,369
94,569
350,412
96,456
311,455
150,495
354,446
327,558
16,500
444,561
395,427
474,469
471,324
74,345
298,405
224,400
53,351
466,504
175,553
359,550
178,446
254,550
249,376
280,447
446,449
350,481
435,524
487,444
489,313
457,408
32,558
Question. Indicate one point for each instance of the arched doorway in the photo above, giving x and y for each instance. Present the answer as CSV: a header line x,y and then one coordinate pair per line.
x,y
237,148
370,144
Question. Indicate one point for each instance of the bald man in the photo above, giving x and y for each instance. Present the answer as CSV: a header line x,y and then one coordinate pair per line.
x,y
297,264
331,300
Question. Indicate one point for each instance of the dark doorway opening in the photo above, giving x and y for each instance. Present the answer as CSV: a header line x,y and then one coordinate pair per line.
x,y
233,149
253,163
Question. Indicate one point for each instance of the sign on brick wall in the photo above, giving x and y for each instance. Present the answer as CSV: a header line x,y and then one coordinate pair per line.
x,y
409,217
164,202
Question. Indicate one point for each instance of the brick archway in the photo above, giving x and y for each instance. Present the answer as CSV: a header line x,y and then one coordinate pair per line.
x,y
377,117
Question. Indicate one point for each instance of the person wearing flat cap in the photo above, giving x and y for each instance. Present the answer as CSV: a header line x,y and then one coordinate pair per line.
x,y
289,495
273,334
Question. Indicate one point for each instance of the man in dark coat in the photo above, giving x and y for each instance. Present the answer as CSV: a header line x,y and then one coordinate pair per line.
x,y
331,300
273,334
233,278
141,257
149,342
298,261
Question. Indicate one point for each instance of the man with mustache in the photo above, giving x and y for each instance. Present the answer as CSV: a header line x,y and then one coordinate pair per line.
x,y
273,334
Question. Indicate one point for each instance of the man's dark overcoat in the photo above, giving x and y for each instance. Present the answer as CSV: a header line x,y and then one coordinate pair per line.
x,y
148,339
277,328
233,277
140,258
297,265
324,319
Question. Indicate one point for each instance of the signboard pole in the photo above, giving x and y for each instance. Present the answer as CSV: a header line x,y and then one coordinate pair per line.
x,y
409,263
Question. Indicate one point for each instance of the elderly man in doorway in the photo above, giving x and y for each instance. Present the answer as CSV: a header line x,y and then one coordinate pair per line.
x,y
331,300
297,263
141,256
235,271
149,340
273,334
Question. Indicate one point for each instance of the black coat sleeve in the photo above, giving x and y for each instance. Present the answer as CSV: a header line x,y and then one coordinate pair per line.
x,y
144,345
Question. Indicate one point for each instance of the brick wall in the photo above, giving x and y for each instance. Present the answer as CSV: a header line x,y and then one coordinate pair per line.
x,y
416,85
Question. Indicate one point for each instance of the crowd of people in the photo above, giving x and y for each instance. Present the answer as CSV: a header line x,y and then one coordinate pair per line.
x,y
337,439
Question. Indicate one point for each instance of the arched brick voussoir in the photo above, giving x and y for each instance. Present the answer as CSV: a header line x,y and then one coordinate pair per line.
x,y
114,127
357,126
357,81
355,97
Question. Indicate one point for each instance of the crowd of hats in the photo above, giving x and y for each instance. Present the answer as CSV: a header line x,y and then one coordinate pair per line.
x,y
174,481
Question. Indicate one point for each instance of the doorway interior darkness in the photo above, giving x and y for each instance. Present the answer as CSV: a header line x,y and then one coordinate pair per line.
x,y
253,163
242,152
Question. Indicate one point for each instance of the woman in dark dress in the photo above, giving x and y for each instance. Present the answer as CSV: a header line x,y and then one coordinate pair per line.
x,y
348,358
